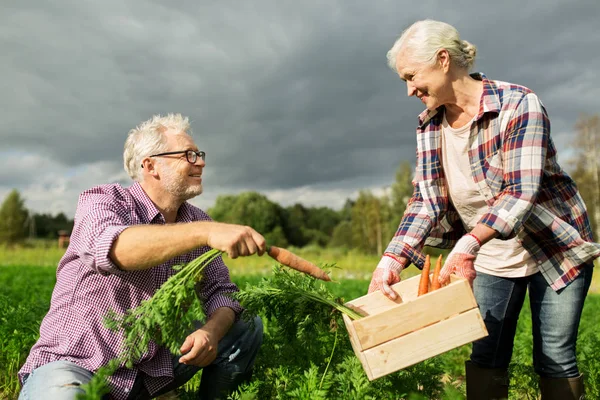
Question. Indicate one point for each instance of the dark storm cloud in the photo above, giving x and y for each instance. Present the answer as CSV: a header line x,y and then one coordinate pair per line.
x,y
285,97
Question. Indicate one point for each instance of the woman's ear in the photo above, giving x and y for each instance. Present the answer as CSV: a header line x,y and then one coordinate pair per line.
x,y
443,58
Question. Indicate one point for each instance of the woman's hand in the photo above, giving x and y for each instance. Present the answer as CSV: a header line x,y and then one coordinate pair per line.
x,y
461,260
386,274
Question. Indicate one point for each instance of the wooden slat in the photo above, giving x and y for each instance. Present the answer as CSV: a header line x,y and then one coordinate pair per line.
x,y
376,302
408,317
456,278
356,346
425,343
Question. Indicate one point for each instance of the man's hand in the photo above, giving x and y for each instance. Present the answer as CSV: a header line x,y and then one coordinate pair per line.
x,y
386,274
461,260
199,349
235,240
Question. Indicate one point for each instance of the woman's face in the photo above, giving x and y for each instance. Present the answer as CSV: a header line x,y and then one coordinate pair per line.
x,y
430,83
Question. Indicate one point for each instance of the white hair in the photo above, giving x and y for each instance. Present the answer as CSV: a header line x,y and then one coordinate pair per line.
x,y
424,39
148,138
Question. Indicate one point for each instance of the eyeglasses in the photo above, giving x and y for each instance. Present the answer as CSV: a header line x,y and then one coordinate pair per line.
x,y
190,155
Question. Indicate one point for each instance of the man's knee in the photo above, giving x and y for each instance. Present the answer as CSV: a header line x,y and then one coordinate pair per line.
x,y
252,336
239,347
56,380
256,332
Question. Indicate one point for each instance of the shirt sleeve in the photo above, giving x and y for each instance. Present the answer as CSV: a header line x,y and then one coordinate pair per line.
x,y
414,227
215,288
523,155
99,220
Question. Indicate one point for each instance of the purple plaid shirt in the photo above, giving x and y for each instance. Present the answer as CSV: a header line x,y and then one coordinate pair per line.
x,y
513,162
89,284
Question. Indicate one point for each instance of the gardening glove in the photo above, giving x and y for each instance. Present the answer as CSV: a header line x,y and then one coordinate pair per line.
x,y
461,260
386,274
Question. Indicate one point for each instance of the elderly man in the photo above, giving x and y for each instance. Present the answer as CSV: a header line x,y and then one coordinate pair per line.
x,y
123,246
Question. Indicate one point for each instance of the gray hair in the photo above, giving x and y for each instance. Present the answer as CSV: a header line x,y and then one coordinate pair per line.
x,y
424,39
148,138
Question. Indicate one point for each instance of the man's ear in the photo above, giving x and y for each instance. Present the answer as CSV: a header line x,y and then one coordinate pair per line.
x,y
149,166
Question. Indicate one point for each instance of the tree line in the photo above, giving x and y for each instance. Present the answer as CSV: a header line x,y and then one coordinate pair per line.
x,y
366,223
18,224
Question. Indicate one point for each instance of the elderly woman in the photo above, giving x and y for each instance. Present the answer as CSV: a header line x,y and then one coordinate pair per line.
x,y
488,184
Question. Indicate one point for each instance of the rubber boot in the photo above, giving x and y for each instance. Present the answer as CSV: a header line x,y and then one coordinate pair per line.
x,y
216,384
486,383
562,388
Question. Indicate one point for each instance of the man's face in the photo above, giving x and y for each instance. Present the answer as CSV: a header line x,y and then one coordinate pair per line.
x,y
180,178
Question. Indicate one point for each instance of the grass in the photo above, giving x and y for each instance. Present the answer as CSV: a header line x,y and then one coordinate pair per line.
x,y
25,295
351,264
27,277
40,253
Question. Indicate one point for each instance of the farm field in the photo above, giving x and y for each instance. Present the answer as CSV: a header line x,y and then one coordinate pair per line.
x,y
352,264
311,360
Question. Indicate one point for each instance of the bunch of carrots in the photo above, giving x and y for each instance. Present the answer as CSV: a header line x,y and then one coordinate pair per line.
x,y
424,282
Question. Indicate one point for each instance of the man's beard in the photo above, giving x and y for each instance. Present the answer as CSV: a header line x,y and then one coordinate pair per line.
x,y
175,184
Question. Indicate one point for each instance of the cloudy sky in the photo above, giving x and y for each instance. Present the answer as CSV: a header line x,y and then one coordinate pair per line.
x,y
289,98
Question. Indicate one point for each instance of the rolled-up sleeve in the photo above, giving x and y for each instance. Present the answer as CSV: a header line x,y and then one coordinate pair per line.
x,y
524,153
99,220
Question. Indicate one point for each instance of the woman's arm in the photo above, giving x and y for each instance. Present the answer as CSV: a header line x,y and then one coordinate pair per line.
x,y
524,154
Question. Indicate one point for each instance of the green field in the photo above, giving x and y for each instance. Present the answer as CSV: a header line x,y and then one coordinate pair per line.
x,y
322,367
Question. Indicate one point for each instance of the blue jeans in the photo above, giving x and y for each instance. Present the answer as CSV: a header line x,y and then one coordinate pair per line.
x,y
555,321
61,380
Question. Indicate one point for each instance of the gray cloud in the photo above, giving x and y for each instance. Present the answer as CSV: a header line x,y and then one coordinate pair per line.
x,y
293,99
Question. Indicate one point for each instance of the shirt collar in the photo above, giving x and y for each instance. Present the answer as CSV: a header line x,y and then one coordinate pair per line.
x,y
490,101
149,210
185,214
144,204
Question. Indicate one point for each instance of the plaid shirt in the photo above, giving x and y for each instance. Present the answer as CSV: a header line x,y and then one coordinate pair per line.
x,y
89,284
513,162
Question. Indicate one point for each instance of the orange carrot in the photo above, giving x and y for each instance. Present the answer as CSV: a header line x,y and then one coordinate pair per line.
x,y
424,282
291,260
435,284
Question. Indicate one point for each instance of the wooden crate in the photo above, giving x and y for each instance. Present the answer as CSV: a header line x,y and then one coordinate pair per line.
x,y
396,334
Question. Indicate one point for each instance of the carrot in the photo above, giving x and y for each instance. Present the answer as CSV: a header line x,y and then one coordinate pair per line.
x,y
424,282
291,260
435,284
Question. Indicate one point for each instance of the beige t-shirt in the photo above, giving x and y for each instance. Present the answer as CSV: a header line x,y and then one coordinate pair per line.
x,y
497,257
